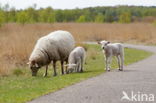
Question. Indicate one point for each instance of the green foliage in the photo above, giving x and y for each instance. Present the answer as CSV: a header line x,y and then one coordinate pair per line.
x,y
122,14
31,15
110,15
47,15
81,19
12,15
2,18
125,17
22,17
99,18
59,16
23,88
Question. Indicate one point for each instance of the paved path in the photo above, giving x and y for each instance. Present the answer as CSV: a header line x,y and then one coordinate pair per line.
x,y
139,77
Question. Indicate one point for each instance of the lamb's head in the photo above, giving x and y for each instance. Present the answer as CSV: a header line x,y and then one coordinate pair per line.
x,y
70,67
34,67
103,43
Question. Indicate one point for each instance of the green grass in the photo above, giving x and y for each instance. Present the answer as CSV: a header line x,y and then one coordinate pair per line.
x,y
24,87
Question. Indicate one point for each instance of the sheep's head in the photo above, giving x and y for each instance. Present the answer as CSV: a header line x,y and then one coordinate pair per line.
x,y
103,43
34,67
70,67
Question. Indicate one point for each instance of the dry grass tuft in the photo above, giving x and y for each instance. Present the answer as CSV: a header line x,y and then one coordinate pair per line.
x,y
17,41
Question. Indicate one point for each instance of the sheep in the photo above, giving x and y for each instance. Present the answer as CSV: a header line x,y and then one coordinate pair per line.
x,y
53,47
76,60
113,49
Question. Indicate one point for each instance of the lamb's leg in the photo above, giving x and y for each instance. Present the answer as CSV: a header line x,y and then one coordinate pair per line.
x,y
45,74
108,62
82,62
118,60
77,67
122,62
54,66
62,67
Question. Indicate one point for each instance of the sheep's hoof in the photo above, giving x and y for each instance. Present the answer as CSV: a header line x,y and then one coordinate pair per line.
x,y
45,74
120,69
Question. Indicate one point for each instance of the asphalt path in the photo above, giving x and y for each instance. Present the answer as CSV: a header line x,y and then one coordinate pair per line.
x,y
137,81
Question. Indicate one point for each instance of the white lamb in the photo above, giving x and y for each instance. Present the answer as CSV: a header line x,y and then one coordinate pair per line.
x,y
113,49
51,48
76,60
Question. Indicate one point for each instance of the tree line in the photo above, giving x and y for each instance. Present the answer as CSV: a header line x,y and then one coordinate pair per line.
x,y
122,14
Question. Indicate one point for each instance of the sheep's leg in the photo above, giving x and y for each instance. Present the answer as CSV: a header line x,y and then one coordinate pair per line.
x,y
62,68
54,66
66,66
45,74
118,60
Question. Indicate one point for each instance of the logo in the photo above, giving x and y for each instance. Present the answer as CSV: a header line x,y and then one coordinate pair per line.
x,y
137,96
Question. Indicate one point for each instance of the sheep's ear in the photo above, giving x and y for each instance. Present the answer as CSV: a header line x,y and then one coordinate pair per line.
x,y
36,65
99,42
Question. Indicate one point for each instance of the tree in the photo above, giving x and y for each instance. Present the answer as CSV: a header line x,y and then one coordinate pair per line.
x,y
81,19
2,17
6,9
47,15
32,15
110,15
22,17
12,15
125,17
99,18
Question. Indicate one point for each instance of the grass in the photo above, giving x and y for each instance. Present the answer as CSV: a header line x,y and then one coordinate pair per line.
x,y
22,88
20,39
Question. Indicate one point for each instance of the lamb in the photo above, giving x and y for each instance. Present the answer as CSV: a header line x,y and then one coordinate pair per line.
x,y
113,49
53,47
76,60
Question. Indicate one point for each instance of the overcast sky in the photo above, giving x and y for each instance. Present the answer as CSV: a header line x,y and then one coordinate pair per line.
x,y
70,4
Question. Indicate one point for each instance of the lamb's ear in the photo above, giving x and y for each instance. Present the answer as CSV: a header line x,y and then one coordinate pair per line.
x,y
99,42
36,65
108,42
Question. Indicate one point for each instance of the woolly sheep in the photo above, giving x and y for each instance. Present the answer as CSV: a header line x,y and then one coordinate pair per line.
x,y
113,49
51,48
76,60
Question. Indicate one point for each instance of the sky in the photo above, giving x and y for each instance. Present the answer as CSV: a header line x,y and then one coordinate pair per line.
x,y
71,4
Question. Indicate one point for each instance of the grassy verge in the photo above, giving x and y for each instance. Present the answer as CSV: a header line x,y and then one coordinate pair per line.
x,y
24,87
